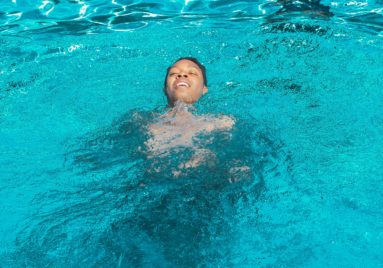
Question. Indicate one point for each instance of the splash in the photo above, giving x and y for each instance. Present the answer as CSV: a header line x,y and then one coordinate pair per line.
x,y
181,128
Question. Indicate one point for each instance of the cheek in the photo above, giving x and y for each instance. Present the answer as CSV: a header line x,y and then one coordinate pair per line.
x,y
168,82
200,84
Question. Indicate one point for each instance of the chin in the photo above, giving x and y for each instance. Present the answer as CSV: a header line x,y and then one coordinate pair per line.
x,y
185,99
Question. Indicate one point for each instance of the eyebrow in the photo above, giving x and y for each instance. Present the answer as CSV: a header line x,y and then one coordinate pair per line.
x,y
189,66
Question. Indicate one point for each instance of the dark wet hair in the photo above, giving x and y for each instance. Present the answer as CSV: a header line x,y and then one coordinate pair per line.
x,y
203,70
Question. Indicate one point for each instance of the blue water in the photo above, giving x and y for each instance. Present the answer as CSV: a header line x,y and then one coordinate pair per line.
x,y
80,80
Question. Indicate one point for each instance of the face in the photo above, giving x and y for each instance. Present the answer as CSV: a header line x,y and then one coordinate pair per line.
x,y
185,82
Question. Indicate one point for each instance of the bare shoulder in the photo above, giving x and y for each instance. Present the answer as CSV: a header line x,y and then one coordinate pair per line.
x,y
224,122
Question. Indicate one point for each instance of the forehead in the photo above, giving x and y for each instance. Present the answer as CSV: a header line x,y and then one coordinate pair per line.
x,y
185,64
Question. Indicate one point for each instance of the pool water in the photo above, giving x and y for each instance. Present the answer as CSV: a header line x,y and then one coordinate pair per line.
x,y
80,81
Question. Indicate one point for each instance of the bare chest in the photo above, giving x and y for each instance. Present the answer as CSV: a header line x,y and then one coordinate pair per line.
x,y
183,132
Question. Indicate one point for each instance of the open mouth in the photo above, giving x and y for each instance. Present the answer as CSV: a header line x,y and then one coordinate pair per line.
x,y
182,84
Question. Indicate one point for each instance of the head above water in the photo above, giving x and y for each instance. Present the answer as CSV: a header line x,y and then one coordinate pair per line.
x,y
185,81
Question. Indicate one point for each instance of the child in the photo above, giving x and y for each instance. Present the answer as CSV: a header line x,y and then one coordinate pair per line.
x,y
185,83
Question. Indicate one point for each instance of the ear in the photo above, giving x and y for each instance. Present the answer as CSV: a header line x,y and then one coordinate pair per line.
x,y
204,90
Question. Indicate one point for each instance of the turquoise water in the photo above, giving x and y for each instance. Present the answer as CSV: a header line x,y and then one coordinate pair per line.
x,y
80,80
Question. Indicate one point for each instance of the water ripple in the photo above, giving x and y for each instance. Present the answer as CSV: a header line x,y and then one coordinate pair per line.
x,y
84,16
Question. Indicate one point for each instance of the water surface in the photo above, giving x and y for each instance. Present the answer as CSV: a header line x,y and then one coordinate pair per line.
x,y
301,78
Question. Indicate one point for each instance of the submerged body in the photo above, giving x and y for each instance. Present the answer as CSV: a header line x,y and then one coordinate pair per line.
x,y
180,128
206,174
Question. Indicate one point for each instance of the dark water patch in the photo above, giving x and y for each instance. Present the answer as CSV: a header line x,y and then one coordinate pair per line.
x,y
308,8
16,85
114,146
372,21
20,54
268,49
123,214
314,105
290,27
66,28
137,17
288,86
5,28
101,18
34,15
146,6
267,87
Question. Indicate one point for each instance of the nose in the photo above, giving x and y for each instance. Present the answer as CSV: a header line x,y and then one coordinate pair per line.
x,y
182,75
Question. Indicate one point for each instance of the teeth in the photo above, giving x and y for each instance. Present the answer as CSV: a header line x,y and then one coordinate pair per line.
x,y
182,84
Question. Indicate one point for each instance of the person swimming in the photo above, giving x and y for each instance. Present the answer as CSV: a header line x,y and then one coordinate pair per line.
x,y
177,142
185,83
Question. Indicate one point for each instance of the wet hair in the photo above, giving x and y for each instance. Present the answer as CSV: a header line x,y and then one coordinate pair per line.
x,y
202,68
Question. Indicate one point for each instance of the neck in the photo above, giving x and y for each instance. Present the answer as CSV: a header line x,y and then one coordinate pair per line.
x,y
181,108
